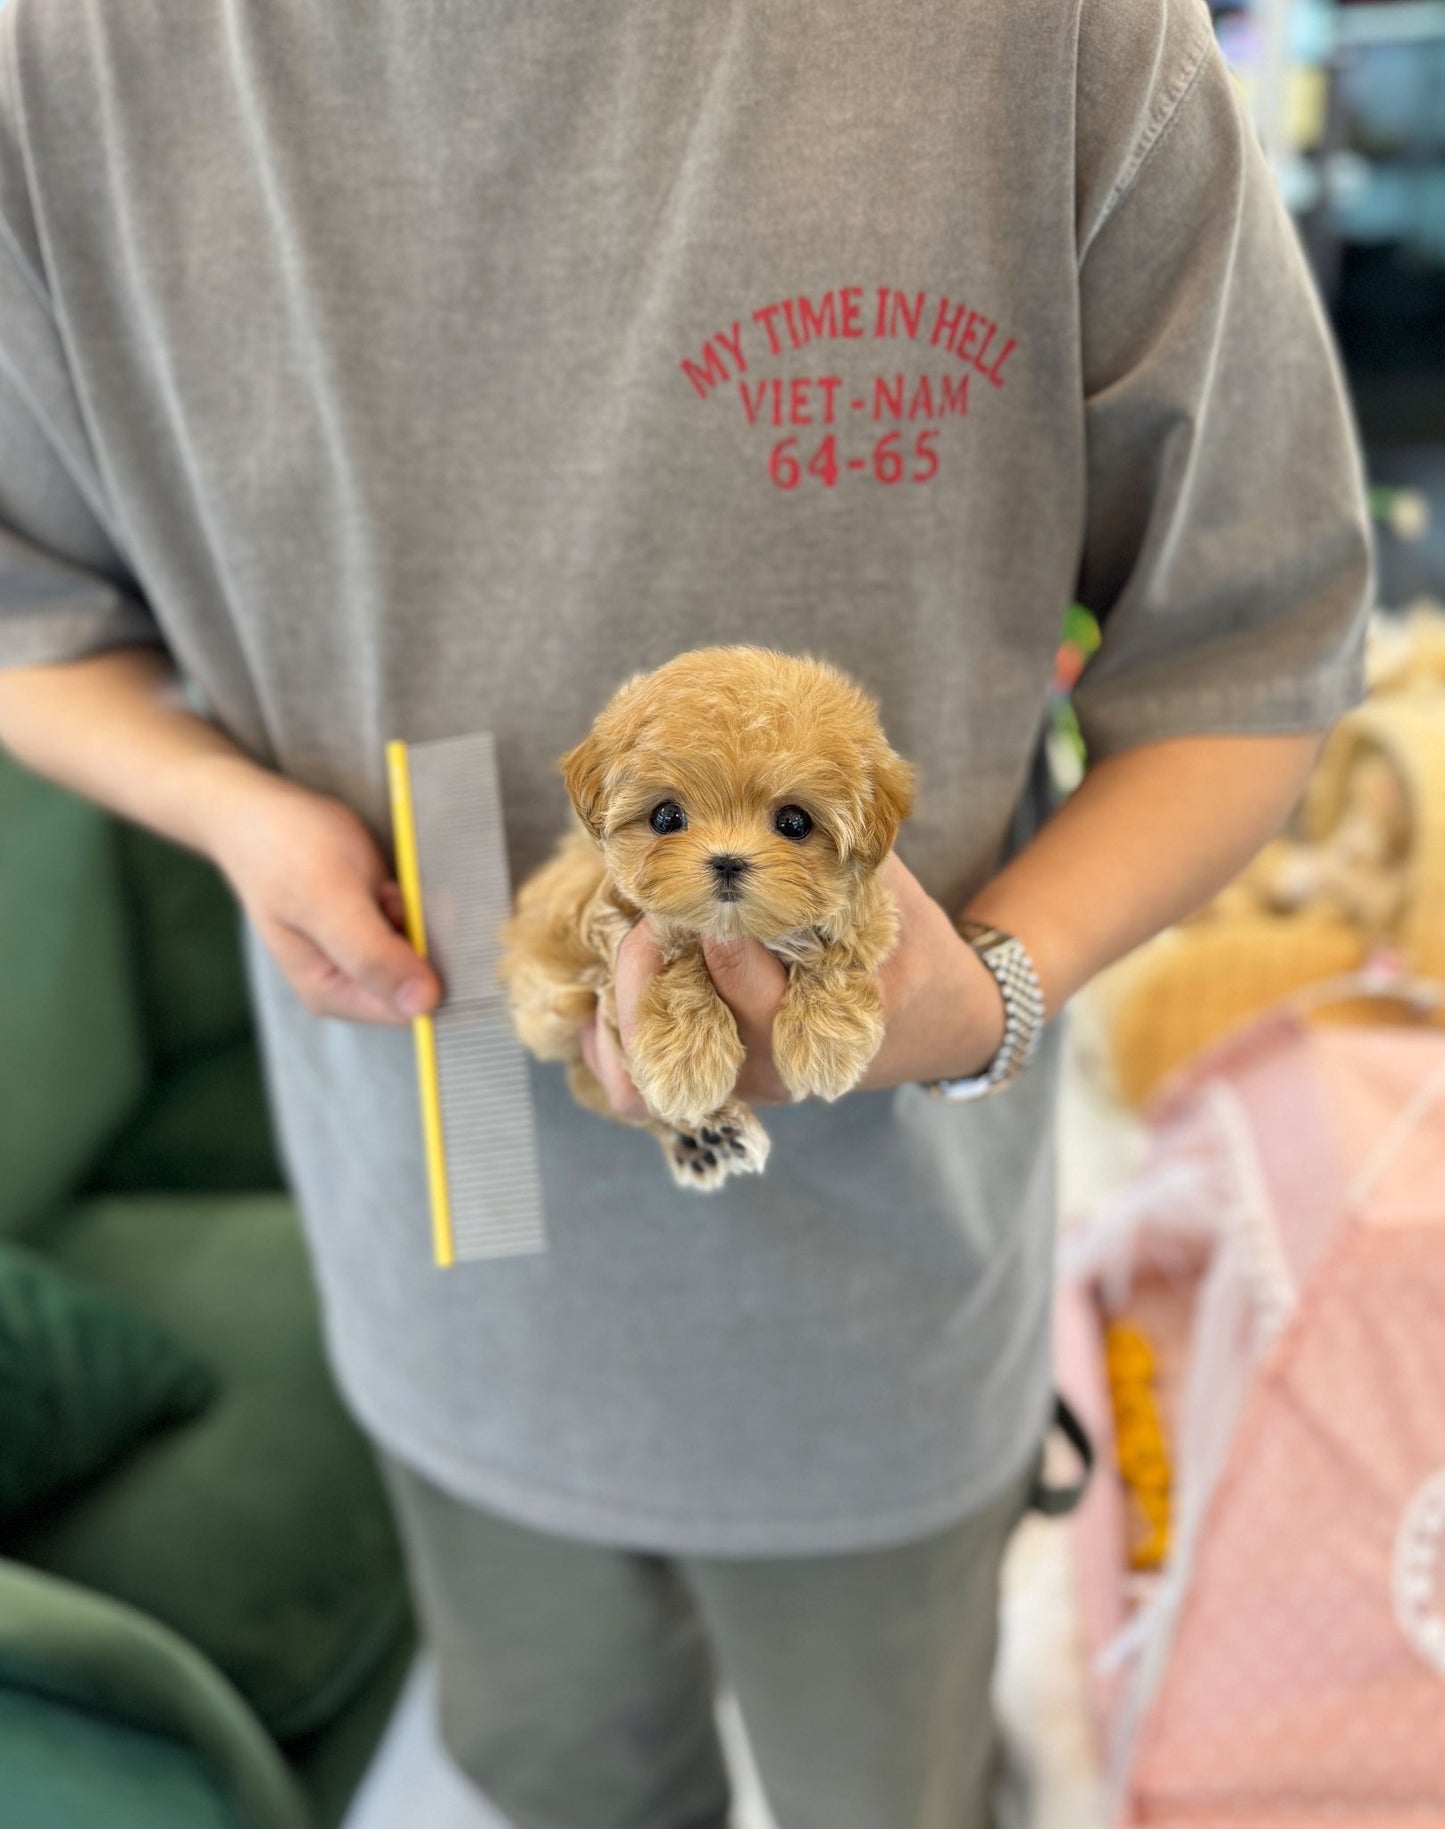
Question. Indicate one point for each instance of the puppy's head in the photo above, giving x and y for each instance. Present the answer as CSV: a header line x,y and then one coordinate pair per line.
x,y
741,791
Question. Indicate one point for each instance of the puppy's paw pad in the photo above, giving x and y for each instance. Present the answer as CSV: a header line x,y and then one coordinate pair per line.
x,y
732,1142
696,1163
741,1138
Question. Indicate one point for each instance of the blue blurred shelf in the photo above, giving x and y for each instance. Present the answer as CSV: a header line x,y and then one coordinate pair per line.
x,y
1400,22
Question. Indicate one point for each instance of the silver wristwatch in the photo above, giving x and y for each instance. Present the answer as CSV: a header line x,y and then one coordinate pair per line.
x,y
1023,1004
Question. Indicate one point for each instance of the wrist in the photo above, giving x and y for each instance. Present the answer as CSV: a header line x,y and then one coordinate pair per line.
x,y
955,1020
1052,960
1020,1001
218,794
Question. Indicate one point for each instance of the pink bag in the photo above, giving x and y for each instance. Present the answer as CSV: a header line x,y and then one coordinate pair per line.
x,y
1282,1248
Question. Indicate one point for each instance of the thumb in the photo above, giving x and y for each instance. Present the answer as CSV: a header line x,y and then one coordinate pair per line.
x,y
749,979
360,938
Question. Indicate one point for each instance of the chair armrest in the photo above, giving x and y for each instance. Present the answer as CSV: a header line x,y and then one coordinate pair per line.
x,y
70,1643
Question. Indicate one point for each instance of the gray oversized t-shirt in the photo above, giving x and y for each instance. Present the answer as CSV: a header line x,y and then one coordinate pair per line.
x,y
420,370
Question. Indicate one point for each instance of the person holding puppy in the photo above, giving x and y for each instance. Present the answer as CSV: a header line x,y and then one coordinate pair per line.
x,y
435,372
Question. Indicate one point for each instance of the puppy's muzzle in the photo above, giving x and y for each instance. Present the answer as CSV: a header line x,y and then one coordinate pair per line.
x,y
728,873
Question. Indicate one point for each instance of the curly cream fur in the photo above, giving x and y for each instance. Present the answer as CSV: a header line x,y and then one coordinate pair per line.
x,y
732,734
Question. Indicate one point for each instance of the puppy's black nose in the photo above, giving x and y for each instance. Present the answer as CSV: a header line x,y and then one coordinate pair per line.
x,y
726,868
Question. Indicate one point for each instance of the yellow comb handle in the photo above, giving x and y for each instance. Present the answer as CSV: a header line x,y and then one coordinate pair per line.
x,y
409,876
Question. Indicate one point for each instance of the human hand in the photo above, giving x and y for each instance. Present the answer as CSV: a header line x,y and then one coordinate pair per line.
x,y
942,1011
315,884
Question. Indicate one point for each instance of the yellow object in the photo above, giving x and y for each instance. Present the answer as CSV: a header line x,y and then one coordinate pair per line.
x,y
1406,653
1360,869
1178,991
409,876
1140,1445
1405,729
1306,103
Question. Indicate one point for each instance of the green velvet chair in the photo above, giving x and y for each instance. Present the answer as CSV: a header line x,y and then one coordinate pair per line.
x,y
213,1629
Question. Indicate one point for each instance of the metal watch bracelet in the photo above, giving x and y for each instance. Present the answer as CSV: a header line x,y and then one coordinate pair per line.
x,y
1023,1001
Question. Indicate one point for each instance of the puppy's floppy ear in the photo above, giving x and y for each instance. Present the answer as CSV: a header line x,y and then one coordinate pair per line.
x,y
596,767
584,769
885,808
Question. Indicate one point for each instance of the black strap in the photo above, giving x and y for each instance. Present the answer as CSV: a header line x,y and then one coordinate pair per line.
x,y
1058,1501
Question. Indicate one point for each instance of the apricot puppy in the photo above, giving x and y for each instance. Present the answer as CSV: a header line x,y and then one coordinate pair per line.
x,y
733,791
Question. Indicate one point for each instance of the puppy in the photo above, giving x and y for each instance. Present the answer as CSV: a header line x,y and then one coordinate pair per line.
x,y
734,791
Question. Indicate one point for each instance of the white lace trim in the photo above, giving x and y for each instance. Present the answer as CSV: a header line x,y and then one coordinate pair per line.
x,y
1417,1581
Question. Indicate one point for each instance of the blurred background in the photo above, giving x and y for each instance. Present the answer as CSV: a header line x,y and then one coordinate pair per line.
x,y
1350,105
1244,1627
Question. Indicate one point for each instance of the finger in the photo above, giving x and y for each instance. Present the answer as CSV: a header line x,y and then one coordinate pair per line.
x,y
894,871
908,892
749,979
587,1041
611,1069
322,986
639,960
393,904
357,937
919,918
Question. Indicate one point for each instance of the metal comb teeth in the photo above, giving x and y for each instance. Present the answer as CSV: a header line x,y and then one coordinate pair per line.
x,y
488,1137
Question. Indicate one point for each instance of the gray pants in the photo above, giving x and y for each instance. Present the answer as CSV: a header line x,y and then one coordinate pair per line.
x,y
576,1682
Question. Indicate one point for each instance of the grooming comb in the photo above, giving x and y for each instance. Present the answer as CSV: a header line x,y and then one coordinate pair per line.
x,y
472,1072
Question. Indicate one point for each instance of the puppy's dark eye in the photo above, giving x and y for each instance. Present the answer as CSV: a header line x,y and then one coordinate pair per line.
x,y
793,822
668,817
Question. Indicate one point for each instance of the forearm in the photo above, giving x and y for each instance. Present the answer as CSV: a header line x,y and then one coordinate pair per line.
x,y
114,728
1150,834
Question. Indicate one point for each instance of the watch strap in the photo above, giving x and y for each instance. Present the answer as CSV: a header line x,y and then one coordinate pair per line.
x,y
1007,959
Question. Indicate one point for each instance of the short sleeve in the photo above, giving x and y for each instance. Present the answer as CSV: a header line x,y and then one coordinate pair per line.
x,y
65,589
1226,548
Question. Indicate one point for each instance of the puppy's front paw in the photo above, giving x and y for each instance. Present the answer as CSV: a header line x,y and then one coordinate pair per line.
x,y
824,1035
686,1054
731,1143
